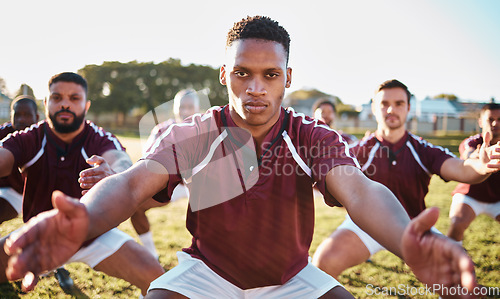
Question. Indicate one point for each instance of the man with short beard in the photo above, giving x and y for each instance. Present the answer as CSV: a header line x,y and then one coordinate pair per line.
x,y
55,155
404,163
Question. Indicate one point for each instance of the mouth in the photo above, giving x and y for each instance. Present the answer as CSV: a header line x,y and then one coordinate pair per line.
x,y
65,116
391,118
255,107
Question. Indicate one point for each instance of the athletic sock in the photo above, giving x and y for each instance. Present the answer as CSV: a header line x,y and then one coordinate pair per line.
x,y
147,241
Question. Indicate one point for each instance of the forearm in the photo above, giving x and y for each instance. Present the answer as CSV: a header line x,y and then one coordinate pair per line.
x,y
118,160
378,212
470,171
371,206
6,162
116,198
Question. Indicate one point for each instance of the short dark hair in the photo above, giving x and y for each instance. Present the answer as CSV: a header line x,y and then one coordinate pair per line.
x,y
490,106
259,27
393,83
322,101
24,98
69,77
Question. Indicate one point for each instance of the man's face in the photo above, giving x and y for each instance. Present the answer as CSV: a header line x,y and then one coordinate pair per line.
x,y
390,107
66,107
490,122
256,76
23,115
187,107
325,113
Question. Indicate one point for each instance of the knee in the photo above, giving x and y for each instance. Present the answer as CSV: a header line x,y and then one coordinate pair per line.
x,y
459,223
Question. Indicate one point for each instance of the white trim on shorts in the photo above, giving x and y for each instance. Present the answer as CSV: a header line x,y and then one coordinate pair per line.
x,y
101,248
370,243
194,279
490,209
13,198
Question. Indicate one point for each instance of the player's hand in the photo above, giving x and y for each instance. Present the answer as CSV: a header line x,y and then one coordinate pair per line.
x,y
91,176
490,154
47,241
436,260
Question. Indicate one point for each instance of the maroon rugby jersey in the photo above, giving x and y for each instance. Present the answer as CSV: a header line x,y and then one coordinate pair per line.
x,y
251,220
14,180
486,191
405,167
50,164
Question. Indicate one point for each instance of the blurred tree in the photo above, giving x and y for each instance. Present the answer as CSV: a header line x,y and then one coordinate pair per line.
x,y
121,87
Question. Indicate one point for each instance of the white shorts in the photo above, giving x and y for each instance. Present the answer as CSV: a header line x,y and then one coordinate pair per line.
x,y
194,279
370,243
490,209
101,248
15,199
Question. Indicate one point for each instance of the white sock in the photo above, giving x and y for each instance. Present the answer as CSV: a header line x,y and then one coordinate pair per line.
x,y
147,241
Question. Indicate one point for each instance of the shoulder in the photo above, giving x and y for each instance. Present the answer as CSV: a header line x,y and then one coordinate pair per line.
x,y
301,124
473,141
420,144
6,129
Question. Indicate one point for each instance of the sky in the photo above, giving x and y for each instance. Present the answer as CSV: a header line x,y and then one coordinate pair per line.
x,y
344,48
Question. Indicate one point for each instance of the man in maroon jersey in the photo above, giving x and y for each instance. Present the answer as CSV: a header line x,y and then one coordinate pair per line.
x,y
324,110
51,156
483,198
402,162
23,113
250,166
186,103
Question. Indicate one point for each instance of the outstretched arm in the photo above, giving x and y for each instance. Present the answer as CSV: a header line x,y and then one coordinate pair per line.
x,y
6,162
37,247
434,259
477,167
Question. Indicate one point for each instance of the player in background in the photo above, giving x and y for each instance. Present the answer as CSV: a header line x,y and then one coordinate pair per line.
x,y
402,162
469,200
325,110
186,103
52,154
23,113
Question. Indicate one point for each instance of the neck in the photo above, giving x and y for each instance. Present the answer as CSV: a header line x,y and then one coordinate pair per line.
x,y
258,132
67,137
391,135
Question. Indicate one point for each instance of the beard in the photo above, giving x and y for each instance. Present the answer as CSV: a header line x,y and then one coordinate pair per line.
x,y
67,128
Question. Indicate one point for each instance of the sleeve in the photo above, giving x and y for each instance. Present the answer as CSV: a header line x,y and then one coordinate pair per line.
x,y
176,151
107,142
433,157
22,146
328,151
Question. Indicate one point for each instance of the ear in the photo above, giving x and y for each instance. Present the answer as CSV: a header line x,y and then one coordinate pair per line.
x,y
222,75
288,77
480,122
87,106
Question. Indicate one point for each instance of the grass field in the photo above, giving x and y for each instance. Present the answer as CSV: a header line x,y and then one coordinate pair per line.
x,y
482,241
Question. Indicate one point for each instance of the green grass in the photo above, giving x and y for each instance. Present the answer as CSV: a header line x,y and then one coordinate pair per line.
x,y
482,241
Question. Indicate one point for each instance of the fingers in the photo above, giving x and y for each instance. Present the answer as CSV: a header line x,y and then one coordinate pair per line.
x,y
424,221
68,205
91,176
95,160
29,281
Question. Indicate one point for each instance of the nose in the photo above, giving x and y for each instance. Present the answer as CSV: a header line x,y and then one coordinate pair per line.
x,y
389,109
256,87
